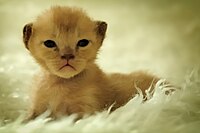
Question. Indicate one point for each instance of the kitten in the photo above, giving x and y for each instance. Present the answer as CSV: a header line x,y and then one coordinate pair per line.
x,y
65,41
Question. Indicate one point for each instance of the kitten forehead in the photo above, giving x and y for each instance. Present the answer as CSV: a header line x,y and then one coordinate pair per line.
x,y
71,17
66,18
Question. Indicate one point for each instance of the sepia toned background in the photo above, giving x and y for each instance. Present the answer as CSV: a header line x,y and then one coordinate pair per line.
x,y
160,36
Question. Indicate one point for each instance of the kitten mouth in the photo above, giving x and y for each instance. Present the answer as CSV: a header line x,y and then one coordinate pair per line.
x,y
67,65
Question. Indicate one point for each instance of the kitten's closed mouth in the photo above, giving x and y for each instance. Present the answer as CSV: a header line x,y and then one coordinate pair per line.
x,y
67,65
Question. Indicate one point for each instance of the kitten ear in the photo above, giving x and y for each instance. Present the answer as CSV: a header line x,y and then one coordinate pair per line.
x,y
27,31
101,28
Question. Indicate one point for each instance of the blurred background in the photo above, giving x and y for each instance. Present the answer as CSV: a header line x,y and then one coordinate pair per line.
x,y
160,36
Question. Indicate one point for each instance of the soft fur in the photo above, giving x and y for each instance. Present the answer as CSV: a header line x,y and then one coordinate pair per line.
x,y
80,87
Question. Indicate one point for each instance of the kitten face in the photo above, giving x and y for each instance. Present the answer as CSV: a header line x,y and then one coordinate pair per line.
x,y
64,41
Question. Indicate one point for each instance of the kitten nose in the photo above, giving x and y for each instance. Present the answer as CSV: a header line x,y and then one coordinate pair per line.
x,y
67,56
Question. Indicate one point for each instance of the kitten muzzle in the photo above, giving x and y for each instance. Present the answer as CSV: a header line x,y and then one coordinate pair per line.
x,y
67,65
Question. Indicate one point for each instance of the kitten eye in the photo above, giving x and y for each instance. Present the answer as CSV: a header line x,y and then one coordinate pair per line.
x,y
83,43
50,43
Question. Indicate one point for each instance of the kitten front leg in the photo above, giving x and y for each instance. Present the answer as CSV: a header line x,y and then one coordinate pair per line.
x,y
30,116
78,109
33,113
38,108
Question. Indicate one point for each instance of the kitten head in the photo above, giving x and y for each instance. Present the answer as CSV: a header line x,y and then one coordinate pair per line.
x,y
64,40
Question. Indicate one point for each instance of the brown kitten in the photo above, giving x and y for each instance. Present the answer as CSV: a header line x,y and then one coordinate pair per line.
x,y
65,41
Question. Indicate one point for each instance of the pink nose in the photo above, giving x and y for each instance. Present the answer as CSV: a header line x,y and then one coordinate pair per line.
x,y
67,56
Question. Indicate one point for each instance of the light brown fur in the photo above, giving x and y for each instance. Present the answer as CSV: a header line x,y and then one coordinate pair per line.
x,y
85,89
